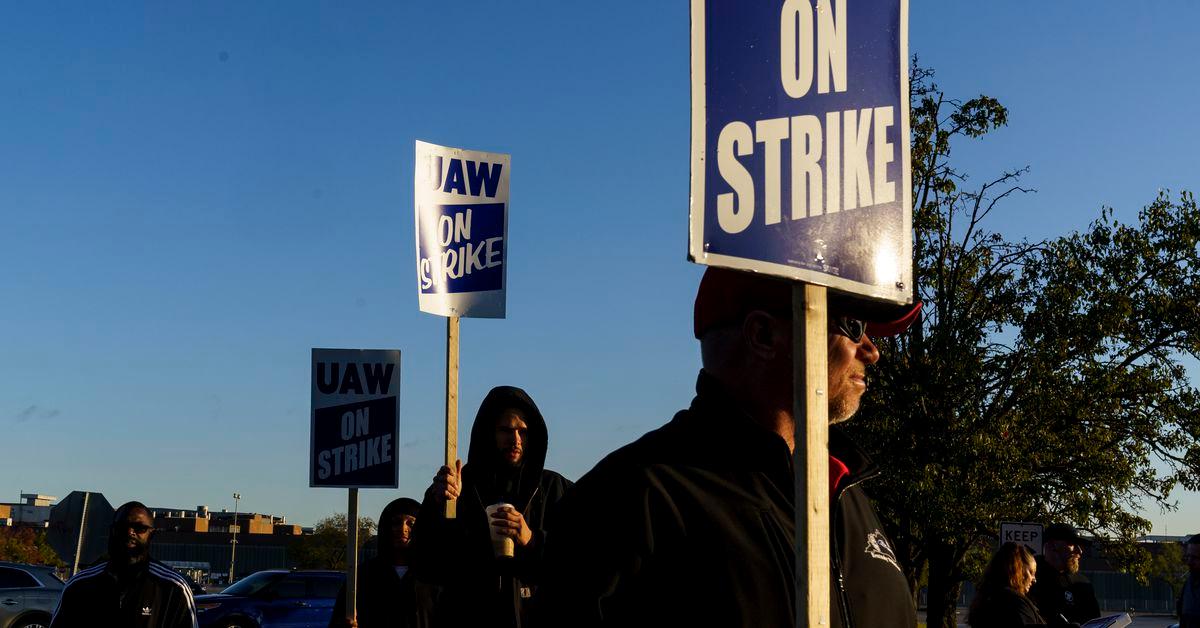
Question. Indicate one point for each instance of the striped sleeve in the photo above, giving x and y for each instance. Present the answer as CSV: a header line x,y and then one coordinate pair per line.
x,y
188,605
65,613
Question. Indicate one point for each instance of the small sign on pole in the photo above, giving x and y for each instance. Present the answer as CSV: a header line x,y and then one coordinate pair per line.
x,y
461,203
354,431
1027,534
800,169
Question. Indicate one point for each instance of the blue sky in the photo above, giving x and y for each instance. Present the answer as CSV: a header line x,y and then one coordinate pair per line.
x,y
193,196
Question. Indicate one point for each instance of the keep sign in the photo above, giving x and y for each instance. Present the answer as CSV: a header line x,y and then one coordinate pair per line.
x,y
1027,534
800,160
355,418
461,199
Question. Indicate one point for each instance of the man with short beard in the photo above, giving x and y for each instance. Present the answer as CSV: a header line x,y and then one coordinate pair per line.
x,y
505,465
130,589
694,523
1062,594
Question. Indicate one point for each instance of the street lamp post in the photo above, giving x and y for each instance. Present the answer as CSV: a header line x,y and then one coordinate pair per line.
x,y
234,529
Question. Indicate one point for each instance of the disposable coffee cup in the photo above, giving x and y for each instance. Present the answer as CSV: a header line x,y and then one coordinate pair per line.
x,y
502,546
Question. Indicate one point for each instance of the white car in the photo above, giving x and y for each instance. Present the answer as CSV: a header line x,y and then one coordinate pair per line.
x,y
28,595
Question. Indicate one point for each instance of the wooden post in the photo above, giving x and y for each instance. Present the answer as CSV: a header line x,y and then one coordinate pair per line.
x,y
82,531
810,338
352,555
451,404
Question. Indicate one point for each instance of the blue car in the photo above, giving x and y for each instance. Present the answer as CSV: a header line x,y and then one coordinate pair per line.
x,y
273,599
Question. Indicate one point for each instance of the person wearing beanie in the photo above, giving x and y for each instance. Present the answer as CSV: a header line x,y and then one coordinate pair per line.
x,y
1062,594
694,523
389,595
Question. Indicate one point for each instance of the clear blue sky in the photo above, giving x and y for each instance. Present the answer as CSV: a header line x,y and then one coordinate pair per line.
x,y
193,196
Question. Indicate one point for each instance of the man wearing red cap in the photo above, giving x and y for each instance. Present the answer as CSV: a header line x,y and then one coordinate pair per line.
x,y
693,524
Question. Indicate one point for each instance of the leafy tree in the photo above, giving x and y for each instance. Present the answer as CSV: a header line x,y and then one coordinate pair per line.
x,y
325,548
27,545
1167,565
1043,381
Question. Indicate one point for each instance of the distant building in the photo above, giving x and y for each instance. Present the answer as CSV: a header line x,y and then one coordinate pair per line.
x,y
32,511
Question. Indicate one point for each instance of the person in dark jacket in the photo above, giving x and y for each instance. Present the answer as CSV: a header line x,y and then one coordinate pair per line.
x,y
130,588
1000,601
1187,608
389,595
693,524
1062,594
505,465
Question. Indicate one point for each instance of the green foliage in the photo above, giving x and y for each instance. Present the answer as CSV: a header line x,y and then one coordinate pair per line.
x,y
325,548
1043,382
1167,565
27,545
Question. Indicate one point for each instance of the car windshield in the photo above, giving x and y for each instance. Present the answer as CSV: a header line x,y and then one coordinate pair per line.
x,y
253,584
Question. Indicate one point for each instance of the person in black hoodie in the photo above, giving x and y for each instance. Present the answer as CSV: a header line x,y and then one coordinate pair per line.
x,y
130,588
389,595
505,464
693,524
1062,594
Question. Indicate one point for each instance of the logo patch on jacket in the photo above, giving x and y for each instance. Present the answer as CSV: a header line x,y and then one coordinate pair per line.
x,y
879,547
145,611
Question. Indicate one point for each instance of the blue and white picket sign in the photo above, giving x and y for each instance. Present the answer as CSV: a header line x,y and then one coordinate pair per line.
x,y
800,142
461,202
355,423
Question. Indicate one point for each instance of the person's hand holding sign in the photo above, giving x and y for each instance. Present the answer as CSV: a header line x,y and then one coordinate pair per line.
x,y
508,522
447,483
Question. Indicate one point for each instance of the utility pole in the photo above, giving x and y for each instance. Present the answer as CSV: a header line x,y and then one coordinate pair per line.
x,y
234,529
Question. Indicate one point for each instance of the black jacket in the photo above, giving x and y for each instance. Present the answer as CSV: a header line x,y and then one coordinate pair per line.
x,y
149,595
693,524
1004,609
385,600
477,588
1059,595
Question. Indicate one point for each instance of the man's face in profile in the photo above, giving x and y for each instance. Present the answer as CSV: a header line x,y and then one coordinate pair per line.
x,y
511,435
848,361
1063,556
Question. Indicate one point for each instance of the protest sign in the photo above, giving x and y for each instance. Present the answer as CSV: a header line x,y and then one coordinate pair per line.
x,y
800,161
355,421
461,202
1027,534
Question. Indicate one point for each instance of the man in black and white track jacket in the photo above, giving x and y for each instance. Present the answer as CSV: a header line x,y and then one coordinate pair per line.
x,y
131,590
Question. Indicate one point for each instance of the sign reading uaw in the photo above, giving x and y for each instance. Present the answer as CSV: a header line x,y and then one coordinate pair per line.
x,y
800,161
461,201
355,418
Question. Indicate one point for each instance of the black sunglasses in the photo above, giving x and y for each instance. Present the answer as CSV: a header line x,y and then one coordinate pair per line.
x,y
851,328
139,528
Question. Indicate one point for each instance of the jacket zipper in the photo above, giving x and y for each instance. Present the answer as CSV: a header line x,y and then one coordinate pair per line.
x,y
847,619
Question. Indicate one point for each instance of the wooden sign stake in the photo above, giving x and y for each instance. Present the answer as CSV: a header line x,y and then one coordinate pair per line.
x,y
451,404
352,555
810,408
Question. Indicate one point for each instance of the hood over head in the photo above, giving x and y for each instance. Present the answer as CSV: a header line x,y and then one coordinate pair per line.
x,y
487,470
399,506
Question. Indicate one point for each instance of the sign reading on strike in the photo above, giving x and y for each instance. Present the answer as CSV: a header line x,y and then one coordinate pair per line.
x,y
1027,534
800,160
355,418
461,199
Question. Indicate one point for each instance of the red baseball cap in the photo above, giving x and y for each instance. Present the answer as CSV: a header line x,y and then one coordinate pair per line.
x,y
726,295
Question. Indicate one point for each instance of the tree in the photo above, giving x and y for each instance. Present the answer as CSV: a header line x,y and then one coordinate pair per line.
x,y
325,548
27,545
1043,380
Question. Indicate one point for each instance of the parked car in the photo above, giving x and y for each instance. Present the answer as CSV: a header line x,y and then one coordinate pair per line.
x,y
28,595
273,599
